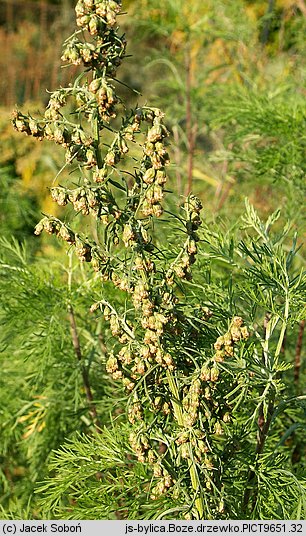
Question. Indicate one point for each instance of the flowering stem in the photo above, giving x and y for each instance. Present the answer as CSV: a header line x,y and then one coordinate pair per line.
x,y
178,414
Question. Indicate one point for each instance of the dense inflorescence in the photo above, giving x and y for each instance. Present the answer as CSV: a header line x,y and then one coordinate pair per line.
x,y
166,391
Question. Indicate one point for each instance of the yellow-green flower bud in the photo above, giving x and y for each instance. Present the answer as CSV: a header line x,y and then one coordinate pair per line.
x,y
149,176
214,373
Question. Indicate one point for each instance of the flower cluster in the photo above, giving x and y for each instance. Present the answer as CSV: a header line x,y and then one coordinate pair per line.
x,y
92,14
105,97
88,200
135,412
72,137
135,235
154,162
202,395
141,446
193,441
85,251
224,345
191,403
99,19
182,264
164,483
28,125
210,373
95,96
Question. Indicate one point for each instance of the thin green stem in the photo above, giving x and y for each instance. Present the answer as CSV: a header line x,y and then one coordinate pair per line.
x,y
96,134
124,325
283,330
298,353
264,422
